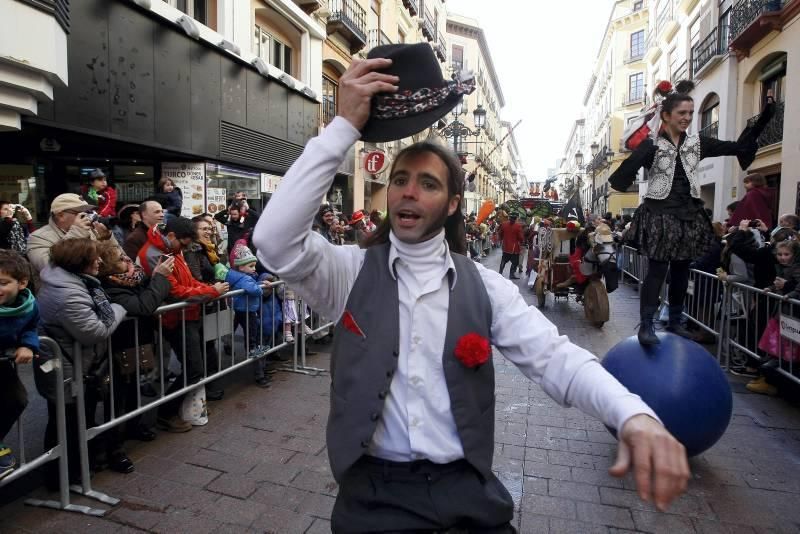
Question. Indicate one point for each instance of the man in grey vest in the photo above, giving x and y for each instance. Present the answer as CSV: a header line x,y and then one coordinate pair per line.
x,y
411,428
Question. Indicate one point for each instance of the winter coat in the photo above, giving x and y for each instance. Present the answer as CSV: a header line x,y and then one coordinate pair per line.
x,y
40,241
757,204
171,202
18,323
106,200
68,314
198,262
250,301
13,235
141,302
512,236
183,286
762,259
135,241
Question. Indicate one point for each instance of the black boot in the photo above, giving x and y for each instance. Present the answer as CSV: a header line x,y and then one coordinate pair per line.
x,y
647,332
675,324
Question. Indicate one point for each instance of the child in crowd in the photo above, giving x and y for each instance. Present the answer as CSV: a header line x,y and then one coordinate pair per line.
x,y
19,316
100,194
787,283
291,317
170,197
246,307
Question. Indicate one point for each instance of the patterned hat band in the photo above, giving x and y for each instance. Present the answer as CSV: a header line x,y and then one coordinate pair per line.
x,y
409,103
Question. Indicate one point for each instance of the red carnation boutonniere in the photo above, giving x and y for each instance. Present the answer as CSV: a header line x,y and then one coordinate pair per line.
x,y
473,350
350,324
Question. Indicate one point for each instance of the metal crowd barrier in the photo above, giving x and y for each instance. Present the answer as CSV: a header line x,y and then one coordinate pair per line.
x,y
319,325
59,452
750,311
737,315
217,322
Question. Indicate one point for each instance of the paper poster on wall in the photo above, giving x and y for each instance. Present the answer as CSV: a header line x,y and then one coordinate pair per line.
x,y
191,178
269,182
215,199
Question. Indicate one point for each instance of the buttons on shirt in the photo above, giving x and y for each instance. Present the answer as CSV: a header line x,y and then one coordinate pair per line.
x,y
382,395
389,373
375,416
395,353
415,381
364,444
414,422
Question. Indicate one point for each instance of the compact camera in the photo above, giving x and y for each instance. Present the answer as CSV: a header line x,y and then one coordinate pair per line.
x,y
94,217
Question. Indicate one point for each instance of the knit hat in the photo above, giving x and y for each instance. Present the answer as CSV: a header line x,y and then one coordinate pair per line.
x,y
242,256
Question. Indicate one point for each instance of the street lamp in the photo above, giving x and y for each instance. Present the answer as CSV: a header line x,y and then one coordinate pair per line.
x,y
479,116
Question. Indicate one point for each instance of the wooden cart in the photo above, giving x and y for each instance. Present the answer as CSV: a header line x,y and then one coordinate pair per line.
x,y
553,268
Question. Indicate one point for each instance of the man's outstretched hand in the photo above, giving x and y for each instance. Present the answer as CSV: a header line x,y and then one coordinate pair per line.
x,y
658,460
357,86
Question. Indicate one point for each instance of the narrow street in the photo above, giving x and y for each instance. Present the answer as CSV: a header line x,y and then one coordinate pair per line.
x,y
260,465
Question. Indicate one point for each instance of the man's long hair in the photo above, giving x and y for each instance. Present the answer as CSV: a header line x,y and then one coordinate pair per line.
x,y
454,231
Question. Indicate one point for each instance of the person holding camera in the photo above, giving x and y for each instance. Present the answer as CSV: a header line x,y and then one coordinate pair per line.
x,y
13,235
70,218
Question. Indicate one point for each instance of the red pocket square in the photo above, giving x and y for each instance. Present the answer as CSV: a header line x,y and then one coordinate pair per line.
x,y
349,323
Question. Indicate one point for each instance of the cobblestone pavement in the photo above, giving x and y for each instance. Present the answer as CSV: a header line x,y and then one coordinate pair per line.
x,y
260,465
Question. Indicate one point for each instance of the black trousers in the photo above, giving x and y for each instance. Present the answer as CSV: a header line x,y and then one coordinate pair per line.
x,y
656,273
13,398
513,258
382,496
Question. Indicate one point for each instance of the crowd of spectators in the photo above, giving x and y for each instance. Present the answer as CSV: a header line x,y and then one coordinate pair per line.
x,y
92,279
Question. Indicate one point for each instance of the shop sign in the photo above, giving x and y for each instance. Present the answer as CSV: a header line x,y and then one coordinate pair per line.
x,y
215,199
375,162
191,178
269,182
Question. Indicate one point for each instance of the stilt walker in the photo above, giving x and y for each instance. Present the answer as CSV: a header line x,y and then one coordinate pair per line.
x,y
672,227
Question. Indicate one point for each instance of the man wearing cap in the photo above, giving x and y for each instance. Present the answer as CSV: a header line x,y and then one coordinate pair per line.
x,y
512,236
358,225
410,434
68,219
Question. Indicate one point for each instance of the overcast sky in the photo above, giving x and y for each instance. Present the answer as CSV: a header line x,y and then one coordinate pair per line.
x,y
543,52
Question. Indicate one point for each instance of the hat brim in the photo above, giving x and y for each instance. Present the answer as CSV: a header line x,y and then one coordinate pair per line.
x,y
384,130
80,209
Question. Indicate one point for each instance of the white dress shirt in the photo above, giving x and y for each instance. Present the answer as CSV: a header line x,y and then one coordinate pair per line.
x,y
417,421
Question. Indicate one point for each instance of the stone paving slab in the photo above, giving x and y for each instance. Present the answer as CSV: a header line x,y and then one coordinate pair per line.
x,y
260,465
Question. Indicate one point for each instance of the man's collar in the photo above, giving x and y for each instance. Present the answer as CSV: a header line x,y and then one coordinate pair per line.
x,y
452,274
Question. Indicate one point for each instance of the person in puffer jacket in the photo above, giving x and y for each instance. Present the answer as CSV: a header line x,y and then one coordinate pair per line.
x,y
247,306
170,240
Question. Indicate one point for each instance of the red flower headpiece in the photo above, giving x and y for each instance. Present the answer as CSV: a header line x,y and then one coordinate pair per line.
x,y
473,350
664,87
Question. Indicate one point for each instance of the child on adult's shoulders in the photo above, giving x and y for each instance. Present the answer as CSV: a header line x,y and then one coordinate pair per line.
x,y
19,343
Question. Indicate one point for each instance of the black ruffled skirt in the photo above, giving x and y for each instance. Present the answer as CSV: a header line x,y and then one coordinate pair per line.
x,y
666,237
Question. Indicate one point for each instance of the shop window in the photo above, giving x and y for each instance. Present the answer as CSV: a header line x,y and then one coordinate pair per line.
x,y
330,91
232,179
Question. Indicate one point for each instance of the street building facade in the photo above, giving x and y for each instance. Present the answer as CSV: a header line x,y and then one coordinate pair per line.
x,y
219,96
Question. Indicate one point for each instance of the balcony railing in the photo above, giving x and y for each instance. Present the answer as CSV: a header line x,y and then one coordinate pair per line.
x,y
636,54
746,12
441,47
633,99
773,133
712,130
705,51
681,73
350,19
411,5
427,23
664,17
377,38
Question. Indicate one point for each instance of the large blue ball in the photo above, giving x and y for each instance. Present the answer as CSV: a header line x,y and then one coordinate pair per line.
x,y
681,382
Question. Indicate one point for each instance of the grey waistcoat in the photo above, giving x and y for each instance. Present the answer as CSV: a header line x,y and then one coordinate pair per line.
x,y
362,367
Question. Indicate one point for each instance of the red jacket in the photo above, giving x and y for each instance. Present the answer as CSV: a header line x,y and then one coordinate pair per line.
x,y
106,201
756,204
512,235
183,286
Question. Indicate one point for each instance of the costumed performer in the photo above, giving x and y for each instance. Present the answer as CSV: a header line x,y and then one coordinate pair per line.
x,y
671,227
410,434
